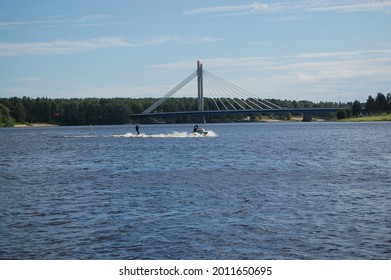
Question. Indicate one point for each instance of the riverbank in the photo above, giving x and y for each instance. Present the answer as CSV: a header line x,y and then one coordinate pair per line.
x,y
34,125
293,119
374,118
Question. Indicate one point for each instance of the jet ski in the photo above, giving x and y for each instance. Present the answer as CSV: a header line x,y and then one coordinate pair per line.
x,y
199,130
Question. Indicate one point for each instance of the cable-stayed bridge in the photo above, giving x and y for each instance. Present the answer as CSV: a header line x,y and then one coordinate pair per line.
x,y
227,99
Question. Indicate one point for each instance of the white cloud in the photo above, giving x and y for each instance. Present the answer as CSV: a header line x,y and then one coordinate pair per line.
x,y
307,61
80,46
10,24
350,6
334,76
156,91
94,18
292,7
217,63
344,54
255,7
95,21
60,46
22,79
58,21
157,40
345,74
14,24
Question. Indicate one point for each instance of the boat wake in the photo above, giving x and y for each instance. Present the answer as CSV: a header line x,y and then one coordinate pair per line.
x,y
174,134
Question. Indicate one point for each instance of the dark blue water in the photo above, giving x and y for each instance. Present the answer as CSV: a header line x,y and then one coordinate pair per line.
x,y
247,191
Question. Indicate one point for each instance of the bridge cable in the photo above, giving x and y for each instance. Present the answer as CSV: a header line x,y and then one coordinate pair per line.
x,y
219,88
213,87
234,92
233,99
249,95
214,99
241,91
241,102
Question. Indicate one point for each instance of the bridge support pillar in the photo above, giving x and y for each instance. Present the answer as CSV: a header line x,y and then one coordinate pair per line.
x,y
307,117
200,84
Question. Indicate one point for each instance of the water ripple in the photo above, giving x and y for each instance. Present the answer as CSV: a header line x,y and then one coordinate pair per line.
x,y
281,191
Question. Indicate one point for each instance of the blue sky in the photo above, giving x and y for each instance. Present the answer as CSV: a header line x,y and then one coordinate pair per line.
x,y
336,50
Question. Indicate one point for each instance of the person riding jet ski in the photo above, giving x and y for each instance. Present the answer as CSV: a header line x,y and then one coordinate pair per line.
x,y
199,130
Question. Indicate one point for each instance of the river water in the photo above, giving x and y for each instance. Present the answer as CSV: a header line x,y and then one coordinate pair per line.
x,y
246,191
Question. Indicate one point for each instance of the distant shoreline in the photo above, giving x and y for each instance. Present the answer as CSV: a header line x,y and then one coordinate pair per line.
x,y
34,125
378,118
373,118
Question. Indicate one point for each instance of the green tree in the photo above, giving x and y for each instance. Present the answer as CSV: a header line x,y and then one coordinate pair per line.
x,y
5,117
356,108
381,102
371,104
20,112
343,114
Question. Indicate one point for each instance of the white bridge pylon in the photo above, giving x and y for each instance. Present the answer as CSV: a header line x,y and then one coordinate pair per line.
x,y
225,95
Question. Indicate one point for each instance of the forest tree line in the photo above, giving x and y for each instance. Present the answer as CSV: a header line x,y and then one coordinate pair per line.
x,y
103,111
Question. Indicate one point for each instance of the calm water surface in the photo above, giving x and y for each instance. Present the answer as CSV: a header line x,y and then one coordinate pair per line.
x,y
247,191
